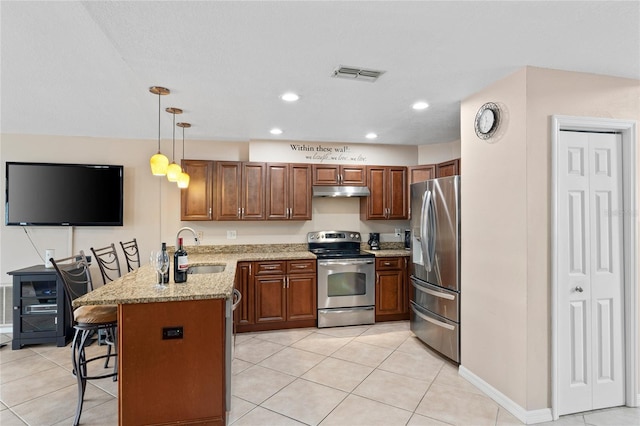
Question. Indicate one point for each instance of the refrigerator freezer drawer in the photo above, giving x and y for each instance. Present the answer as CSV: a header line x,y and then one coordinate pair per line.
x,y
439,333
438,300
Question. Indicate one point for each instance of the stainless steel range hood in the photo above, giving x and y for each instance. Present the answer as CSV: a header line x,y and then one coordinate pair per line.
x,y
341,191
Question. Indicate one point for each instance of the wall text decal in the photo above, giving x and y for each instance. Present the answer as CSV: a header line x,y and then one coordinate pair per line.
x,y
321,153
315,152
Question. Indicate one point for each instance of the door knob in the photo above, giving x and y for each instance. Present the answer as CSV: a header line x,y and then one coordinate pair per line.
x,y
579,289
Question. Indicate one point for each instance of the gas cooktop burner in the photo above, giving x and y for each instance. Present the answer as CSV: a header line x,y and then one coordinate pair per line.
x,y
336,245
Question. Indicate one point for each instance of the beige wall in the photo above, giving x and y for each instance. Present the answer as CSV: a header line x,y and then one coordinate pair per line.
x,y
152,205
438,152
506,338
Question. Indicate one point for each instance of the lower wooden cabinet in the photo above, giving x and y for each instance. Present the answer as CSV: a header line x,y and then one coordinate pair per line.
x,y
278,294
243,313
172,380
392,297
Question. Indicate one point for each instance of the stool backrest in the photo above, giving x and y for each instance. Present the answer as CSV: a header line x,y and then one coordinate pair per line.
x,y
75,275
108,262
131,254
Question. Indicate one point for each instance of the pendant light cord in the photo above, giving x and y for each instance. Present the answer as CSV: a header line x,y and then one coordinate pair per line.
x,y
183,146
173,154
159,95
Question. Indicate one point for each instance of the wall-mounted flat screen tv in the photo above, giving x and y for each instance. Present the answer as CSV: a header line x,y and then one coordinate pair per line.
x,y
51,194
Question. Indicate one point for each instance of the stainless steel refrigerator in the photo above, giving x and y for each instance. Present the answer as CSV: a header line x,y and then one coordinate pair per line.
x,y
435,264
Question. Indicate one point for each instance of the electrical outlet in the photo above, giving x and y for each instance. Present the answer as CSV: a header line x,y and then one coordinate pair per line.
x,y
398,232
200,235
231,235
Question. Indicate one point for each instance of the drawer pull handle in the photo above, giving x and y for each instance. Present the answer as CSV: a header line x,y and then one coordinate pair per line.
x,y
433,292
433,321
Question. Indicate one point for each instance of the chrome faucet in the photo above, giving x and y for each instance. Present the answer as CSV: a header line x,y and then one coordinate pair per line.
x,y
186,228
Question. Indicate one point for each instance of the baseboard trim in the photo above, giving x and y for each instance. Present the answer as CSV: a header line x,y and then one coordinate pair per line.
x,y
6,328
525,416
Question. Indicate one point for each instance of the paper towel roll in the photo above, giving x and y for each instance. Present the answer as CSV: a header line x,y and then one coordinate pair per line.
x,y
48,254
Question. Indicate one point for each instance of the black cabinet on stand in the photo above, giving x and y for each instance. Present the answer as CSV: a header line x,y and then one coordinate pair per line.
x,y
40,314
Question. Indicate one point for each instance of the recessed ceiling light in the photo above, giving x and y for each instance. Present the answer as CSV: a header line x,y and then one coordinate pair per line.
x,y
420,105
275,131
290,97
371,135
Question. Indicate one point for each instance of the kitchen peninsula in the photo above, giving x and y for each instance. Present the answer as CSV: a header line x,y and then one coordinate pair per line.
x,y
174,344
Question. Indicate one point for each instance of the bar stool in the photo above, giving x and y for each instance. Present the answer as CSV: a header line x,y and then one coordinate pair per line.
x,y
108,262
87,320
131,254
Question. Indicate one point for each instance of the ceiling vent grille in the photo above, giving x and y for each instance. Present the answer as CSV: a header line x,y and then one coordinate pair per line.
x,y
354,73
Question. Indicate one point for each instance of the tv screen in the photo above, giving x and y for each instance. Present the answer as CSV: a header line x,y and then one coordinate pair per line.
x,y
64,194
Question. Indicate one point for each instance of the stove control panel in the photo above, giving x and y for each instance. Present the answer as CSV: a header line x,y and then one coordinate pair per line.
x,y
333,236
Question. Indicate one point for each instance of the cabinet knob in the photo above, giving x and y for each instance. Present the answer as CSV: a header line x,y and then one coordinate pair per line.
x,y
579,289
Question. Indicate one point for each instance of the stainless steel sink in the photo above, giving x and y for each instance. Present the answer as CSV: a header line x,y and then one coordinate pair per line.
x,y
205,269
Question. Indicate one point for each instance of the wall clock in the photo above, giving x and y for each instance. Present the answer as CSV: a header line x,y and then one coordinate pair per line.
x,y
487,120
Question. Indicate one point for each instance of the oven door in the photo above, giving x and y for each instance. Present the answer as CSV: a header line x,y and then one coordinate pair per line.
x,y
346,283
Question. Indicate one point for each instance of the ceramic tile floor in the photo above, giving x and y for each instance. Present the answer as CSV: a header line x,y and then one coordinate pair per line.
x,y
364,375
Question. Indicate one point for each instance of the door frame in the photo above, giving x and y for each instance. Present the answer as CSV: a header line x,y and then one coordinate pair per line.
x,y
628,130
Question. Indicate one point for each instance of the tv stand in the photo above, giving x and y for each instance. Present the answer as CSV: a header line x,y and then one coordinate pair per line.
x,y
40,314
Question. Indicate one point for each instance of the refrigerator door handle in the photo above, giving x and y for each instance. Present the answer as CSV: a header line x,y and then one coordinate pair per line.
x,y
424,223
432,320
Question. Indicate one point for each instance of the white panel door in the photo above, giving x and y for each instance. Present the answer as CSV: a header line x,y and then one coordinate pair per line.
x,y
591,356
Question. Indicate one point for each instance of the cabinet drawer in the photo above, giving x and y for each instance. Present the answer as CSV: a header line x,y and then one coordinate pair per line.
x,y
301,266
383,263
270,268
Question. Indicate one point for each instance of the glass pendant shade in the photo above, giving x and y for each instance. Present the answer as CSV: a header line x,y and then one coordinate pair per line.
x,y
173,171
159,164
183,180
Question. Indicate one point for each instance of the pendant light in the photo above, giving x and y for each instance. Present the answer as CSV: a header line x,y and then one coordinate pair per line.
x,y
159,162
173,170
183,177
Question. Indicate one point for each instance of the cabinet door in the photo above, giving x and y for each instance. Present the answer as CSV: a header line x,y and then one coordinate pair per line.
x,y
397,199
389,292
325,174
300,192
422,173
448,168
374,206
301,297
277,191
228,185
196,200
244,312
253,190
270,298
353,175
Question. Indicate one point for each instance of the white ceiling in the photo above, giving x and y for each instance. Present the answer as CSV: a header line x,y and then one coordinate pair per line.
x,y
84,68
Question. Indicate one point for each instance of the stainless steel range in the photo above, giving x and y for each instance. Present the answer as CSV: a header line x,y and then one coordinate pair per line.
x,y
346,279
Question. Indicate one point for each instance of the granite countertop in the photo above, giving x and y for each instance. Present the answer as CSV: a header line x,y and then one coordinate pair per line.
x,y
390,252
139,286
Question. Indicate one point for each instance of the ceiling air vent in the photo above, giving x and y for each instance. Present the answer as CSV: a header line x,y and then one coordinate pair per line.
x,y
354,73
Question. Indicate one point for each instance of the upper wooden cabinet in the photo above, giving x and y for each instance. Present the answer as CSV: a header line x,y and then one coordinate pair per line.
x,y
422,173
196,201
239,190
388,199
448,168
334,174
288,191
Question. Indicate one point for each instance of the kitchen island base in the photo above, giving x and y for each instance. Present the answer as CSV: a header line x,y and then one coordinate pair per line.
x,y
172,363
